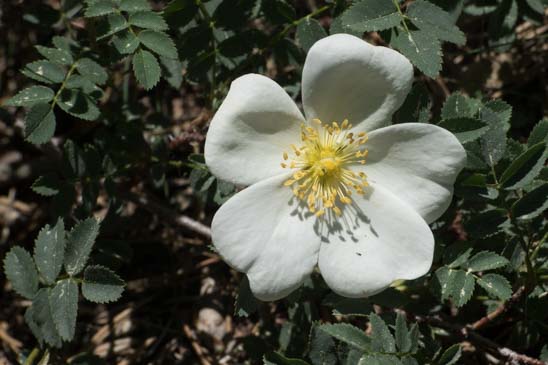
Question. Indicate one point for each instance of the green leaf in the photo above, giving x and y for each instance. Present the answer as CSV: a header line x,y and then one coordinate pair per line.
x,y
451,355
486,260
496,285
172,71
158,42
323,350
536,5
279,11
146,69
47,185
349,334
50,250
430,18
44,71
84,84
455,284
532,204
99,8
246,303
21,272
134,5
39,124
113,23
371,15
101,285
379,359
381,338
421,48
125,42
524,168
417,105
309,32
40,320
63,300
539,133
465,129
414,335
92,71
502,22
148,20
66,44
486,223
78,104
275,358
79,244
31,96
496,114
403,340
458,106
56,55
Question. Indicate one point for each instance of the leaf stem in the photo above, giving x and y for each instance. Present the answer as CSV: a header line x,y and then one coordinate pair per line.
x,y
64,83
32,356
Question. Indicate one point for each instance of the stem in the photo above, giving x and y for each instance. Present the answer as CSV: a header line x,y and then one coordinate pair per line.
x,y
295,23
64,83
214,43
531,277
33,355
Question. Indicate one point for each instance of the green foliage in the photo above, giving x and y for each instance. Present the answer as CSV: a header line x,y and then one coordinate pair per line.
x,y
309,32
49,251
39,124
32,95
21,272
146,69
421,47
371,15
54,296
496,285
63,300
246,303
348,334
101,285
525,167
532,204
457,280
382,339
418,33
80,241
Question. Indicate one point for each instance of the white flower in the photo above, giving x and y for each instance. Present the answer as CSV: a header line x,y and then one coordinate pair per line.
x,y
353,197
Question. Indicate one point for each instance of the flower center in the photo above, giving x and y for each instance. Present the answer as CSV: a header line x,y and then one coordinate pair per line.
x,y
323,176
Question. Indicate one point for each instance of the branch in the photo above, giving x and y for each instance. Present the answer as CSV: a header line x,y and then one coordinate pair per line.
x,y
474,337
503,308
166,212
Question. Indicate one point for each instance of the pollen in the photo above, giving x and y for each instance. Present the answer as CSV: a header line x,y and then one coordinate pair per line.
x,y
323,177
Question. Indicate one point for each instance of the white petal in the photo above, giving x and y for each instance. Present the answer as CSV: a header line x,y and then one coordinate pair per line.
x,y
391,241
254,125
258,232
418,163
346,77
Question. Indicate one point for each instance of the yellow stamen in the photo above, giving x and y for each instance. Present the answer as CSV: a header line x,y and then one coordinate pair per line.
x,y
324,162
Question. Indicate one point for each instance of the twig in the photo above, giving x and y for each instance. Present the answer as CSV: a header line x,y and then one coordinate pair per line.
x,y
195,345
166,212
503,308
